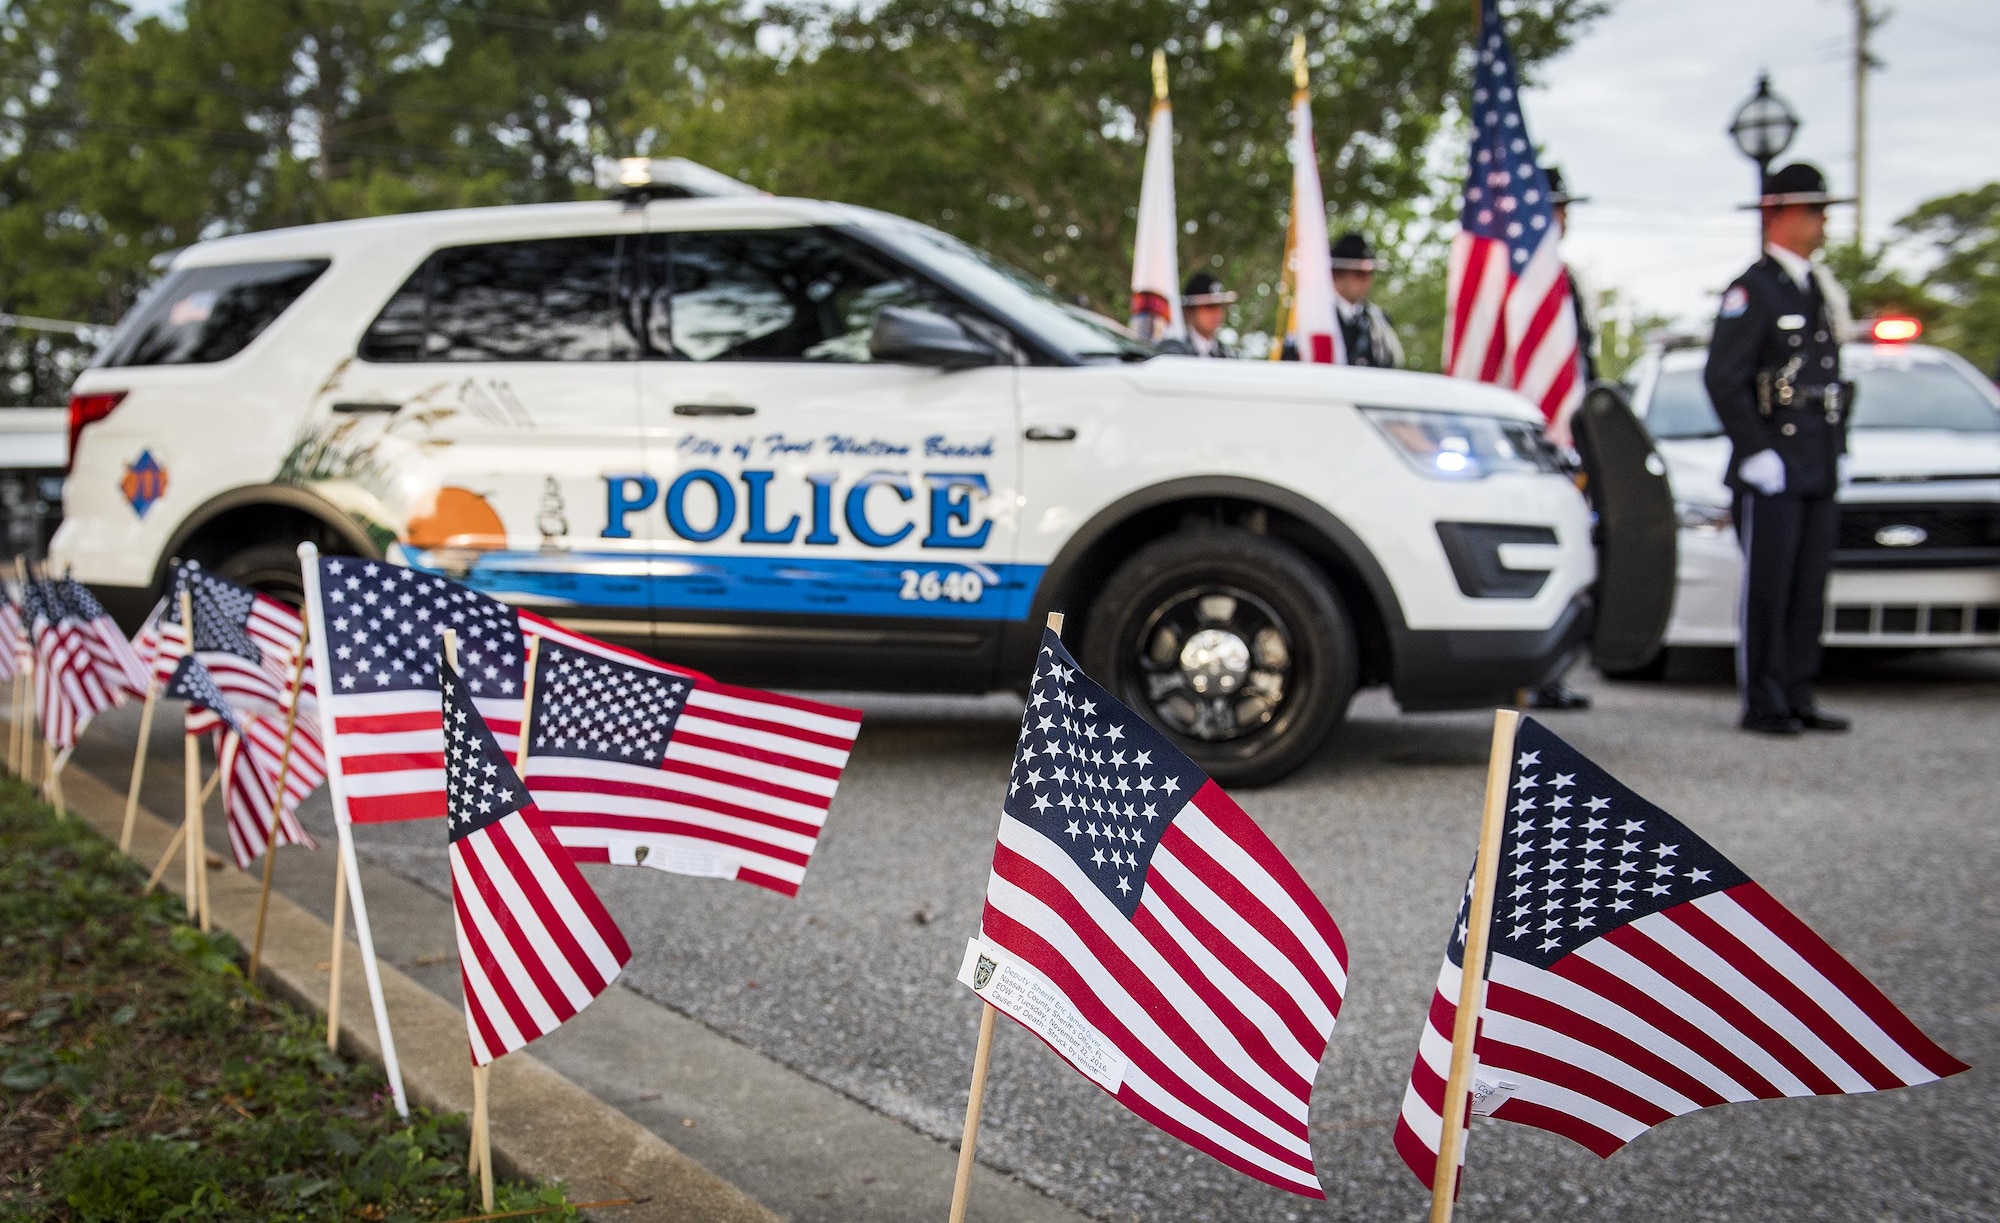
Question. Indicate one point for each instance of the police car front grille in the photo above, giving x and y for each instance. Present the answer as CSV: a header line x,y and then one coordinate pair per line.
x,y
1918,536
1913,623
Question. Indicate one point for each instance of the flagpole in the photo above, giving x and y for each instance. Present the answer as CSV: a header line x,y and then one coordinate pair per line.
x,y
278,799
339,945
1287,275
191,799
982,1056
337,786
481,1157
1453,1116
138,767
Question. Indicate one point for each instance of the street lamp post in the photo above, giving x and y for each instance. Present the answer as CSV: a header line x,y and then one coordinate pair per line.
x,y
1762,129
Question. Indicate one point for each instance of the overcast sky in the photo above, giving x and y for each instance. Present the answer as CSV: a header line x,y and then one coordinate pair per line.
x,y
1636,114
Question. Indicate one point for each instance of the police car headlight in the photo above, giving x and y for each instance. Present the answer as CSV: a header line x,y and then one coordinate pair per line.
x,y
1451,446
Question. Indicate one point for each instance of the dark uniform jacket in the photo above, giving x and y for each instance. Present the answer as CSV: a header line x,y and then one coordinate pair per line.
x,y
1770,326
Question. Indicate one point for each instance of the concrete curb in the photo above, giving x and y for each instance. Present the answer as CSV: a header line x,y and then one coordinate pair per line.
x,y
544,1126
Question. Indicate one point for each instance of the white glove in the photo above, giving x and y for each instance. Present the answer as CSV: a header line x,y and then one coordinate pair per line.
x,y
1764,471
1840,475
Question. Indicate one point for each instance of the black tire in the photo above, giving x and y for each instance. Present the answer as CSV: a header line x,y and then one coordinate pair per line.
x,y
1136,641
271,569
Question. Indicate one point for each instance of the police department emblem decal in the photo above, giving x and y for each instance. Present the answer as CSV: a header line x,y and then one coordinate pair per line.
x,y
144,483
1735,301
982,973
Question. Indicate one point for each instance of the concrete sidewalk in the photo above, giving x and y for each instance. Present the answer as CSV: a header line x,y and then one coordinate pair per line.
x,y
629,1098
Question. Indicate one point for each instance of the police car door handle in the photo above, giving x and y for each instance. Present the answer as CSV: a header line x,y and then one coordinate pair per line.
x,y
362,407
714,409
1051,433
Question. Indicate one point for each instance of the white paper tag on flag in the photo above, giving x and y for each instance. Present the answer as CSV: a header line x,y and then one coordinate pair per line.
x,y
1032,1000
1487,1094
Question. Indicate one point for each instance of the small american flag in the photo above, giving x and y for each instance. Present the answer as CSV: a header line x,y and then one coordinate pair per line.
x,y
192,683
1636,974
250,762
13,641
71,687
116,660
535,945
1139,923
247,640
1507,299
641,764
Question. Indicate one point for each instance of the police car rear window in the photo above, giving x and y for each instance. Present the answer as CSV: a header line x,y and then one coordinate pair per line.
x,y
204,314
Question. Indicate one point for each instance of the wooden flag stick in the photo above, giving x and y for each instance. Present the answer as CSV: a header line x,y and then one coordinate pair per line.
x,y
527,708
339,941
190,805
982,1056
278,803
167,858
483,1136
14,724
52,777
138,767
1472,977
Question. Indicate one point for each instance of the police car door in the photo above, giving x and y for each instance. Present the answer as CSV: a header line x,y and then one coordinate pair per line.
x,y
491,395
814,512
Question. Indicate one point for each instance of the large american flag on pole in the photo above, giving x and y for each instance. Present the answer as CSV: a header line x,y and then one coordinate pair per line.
x,y
1141,925
1508,317
1636,974
535,945
637,763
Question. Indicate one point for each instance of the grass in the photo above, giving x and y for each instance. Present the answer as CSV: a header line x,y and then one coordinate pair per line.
x,y
142,1079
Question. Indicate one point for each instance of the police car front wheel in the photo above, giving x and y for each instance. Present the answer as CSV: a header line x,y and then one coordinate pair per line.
x,y
1232,642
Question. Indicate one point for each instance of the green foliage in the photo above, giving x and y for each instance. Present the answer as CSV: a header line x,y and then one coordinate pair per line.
x,y
1016,124
140,1079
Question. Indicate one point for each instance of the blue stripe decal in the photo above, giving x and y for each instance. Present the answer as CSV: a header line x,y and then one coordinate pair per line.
x,y
810,585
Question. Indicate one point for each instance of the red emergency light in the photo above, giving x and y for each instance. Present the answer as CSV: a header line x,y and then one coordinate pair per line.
x,y
1896,330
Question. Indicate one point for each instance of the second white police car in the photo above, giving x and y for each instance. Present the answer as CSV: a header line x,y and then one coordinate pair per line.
x,y
804,444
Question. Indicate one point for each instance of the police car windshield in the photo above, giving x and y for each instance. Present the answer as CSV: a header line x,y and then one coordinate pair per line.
x,y
1018,297
1893,390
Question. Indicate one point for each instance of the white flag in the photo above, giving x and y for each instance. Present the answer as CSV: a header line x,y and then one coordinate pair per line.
x,y
1156,265
1313,329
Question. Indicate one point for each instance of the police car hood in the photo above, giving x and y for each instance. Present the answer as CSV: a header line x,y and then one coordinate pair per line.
x,y
1250,382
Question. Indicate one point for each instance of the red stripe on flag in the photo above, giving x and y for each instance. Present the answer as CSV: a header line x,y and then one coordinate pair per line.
x,y
1525,1112
482,954
551,921
1783,990
1506,1000
667,826
784,887
657,793
1233,958
1733,1011
1139,1105
1615,990
1859,990
394,808
1237,825
684,737
1164,1012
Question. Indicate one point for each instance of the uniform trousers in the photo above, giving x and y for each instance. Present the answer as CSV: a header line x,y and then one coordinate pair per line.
x,y
1787,544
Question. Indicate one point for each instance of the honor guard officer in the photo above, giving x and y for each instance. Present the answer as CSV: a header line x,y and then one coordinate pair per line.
x,y
1205,304
1586,324
1364,328
1774,376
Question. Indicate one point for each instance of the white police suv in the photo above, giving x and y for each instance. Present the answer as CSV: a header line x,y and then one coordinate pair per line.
x,y
1917,563
810,445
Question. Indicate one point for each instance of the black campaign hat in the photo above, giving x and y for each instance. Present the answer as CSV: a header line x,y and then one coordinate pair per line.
x,y
1799,183
1558,193
1351,253
1205,289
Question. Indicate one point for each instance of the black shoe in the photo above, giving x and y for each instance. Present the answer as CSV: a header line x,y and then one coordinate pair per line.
x,y
1819,719
1557,695
1772,723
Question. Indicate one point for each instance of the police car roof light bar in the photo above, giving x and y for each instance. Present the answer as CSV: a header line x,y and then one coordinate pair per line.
x,y
653,178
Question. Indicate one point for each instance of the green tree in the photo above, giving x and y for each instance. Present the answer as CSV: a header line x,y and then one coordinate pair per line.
x,y
1963,231
1020,125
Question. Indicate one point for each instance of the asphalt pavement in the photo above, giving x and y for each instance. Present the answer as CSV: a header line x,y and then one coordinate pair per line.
x,y
1885,840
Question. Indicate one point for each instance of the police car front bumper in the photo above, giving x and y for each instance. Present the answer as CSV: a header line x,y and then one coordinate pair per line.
x,y
1438,669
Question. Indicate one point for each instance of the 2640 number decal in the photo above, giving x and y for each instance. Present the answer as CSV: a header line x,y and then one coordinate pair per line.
x,y
928,586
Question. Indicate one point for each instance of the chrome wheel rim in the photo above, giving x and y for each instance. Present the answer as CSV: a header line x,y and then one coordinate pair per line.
x,y
1215,663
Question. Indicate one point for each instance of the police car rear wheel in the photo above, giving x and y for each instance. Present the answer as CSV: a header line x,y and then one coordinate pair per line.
x,y
1232,643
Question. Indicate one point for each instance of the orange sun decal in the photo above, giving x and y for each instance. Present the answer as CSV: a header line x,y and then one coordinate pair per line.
x,y
457,518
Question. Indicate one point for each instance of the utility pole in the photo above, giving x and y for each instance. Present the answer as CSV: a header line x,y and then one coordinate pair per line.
x,y
1866,19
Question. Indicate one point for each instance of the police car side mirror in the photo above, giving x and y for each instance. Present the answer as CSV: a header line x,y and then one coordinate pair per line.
x,y
924,337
